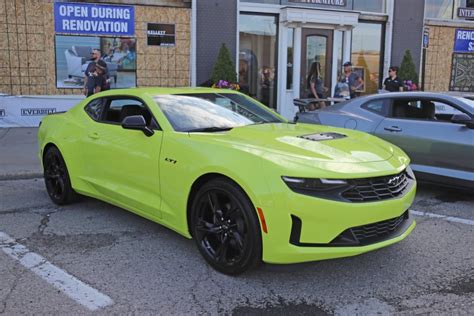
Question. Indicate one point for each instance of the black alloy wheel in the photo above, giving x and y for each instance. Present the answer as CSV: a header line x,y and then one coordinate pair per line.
x,y
56,178
225,227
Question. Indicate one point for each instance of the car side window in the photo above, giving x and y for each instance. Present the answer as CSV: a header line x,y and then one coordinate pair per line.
x,y
414,109
118,109
95,108
444,112
380,107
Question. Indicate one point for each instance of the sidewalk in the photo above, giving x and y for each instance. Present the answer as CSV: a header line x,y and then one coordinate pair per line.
x,y
19,153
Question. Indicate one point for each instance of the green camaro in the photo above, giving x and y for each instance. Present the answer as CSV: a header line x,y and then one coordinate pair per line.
x,y
217,166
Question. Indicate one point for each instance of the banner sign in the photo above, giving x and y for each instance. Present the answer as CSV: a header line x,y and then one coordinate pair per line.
x,y
339,3
27,111
161,34
94,19
464,41
466,13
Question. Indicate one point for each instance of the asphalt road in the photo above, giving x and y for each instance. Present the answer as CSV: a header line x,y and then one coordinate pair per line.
x,y
143,268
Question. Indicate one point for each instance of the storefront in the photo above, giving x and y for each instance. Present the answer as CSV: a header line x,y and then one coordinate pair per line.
x,y
280,40
47,45
449,64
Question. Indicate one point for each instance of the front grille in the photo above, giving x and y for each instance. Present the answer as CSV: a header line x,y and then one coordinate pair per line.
x,y
357,236
371,233
377,189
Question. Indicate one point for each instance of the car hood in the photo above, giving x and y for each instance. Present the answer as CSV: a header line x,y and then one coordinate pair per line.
x,y
306,142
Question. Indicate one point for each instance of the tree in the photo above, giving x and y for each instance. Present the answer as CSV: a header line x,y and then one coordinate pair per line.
x,y
408,69
224,68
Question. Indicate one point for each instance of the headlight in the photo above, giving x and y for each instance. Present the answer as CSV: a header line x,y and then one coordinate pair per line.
x,y
410,173
314,186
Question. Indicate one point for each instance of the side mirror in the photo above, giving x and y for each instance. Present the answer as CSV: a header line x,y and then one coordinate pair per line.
x,y
463,118
137,122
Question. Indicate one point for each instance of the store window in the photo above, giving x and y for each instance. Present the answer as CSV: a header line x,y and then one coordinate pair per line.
x,y
370,5
367,54
258,57
439,9
462,4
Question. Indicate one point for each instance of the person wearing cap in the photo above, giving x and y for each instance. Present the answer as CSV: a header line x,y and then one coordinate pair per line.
x,y
353,80
96,79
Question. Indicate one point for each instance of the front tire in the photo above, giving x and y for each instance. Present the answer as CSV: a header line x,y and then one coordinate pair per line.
x,y
225,227
56,178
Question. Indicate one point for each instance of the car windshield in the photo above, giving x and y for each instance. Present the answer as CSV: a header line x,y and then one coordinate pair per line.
x,y
212,112
467,101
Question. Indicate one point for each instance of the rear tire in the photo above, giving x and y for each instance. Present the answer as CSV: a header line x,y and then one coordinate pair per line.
x,y
225,227
56,178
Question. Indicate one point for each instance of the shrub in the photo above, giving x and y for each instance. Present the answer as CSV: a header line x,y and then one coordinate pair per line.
x,y
224,68
407,69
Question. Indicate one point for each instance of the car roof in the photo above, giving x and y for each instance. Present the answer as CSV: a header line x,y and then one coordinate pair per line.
x,y
408,94
436,96
163,91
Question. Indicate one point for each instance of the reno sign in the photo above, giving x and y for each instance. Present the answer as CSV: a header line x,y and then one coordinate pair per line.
x,y
94,19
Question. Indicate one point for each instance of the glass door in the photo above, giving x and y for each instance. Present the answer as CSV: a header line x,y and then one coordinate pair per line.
x,y
316,52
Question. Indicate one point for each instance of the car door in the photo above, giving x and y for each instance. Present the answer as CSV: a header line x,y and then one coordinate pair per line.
x,y
430,139
123,164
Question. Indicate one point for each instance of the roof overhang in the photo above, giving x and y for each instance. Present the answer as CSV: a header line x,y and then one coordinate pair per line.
x,y
328,18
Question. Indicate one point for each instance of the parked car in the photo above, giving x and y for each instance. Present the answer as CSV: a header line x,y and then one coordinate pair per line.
x,y
435,130
219,167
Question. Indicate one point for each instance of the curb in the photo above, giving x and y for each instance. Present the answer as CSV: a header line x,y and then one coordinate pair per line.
x,y
21,176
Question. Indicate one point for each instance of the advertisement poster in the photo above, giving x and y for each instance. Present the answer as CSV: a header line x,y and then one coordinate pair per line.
x,y
73,55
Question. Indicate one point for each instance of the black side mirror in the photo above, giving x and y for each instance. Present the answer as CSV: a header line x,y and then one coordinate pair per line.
x,y
137,122
463,118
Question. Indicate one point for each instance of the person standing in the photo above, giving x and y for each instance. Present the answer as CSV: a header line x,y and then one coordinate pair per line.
x,y
315,84
353,80
96,79
392,83
96,56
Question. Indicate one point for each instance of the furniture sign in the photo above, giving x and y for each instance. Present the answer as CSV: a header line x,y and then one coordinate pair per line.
x,y
161,34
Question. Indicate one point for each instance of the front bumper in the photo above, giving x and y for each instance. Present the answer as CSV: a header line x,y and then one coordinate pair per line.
x,y
303,228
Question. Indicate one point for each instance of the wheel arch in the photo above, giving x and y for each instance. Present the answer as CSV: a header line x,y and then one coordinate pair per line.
x,y
202,180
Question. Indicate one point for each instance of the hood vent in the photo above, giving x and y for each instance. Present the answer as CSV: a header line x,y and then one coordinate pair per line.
x,y
322,136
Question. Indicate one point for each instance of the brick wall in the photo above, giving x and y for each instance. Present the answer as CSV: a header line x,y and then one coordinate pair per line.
x,y
27,50
439,58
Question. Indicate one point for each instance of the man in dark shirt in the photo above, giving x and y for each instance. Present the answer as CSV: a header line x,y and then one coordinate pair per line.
x,y
392,83
96,56
96,78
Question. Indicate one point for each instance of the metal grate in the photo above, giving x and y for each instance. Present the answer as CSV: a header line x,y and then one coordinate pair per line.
x,y
375,232
377,189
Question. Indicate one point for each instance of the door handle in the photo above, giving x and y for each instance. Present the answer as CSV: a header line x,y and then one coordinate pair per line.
x,y
393,129
94,135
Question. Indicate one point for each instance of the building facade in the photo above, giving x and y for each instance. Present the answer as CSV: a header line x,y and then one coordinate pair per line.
x,y
47,44
274,43
449,62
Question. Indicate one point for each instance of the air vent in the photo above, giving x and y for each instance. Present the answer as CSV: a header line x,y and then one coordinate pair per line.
x,y
322,136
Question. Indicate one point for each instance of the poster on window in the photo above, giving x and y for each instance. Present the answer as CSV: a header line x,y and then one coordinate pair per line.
x,y
75,53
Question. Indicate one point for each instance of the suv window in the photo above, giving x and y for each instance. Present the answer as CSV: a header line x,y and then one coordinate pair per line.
x,y
380,107
95,108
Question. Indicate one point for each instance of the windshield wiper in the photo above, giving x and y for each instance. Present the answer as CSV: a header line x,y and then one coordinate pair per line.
x,y
210,129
